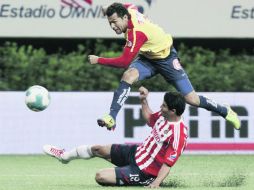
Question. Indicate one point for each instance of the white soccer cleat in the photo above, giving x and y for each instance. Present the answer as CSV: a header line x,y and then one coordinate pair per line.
x,y
55,152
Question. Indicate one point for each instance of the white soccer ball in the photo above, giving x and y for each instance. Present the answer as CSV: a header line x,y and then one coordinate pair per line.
x,y
37,98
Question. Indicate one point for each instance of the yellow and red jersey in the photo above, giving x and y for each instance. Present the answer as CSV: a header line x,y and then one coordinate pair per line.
x,y
158,43
143,37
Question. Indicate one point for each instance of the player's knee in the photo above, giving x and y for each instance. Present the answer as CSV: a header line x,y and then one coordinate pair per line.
x,y
101,178
97,149
192,99
131,75
101,151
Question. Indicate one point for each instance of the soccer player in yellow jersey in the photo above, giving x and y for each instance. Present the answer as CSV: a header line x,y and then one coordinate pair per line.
x,y
155,55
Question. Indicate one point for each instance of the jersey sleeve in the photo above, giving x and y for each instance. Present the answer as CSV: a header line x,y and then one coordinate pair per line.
x,y
134,42
130,6
177,143
153,118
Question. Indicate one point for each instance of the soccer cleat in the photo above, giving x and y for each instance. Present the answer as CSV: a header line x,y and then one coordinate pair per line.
x,y
55,152
107,121
232,117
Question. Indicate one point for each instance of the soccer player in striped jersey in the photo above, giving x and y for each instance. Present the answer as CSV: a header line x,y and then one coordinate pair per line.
x,y
147,164
155,55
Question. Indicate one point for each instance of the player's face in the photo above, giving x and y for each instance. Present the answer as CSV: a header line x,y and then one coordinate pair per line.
x,y
118,24
164,109
166,112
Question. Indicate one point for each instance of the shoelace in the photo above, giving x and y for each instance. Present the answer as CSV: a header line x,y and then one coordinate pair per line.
x,y
57,152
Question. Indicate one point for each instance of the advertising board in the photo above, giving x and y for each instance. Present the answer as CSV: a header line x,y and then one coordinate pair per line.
x,y
70,120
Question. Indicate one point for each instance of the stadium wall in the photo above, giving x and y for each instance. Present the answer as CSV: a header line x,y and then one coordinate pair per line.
x,y
84,19
70,120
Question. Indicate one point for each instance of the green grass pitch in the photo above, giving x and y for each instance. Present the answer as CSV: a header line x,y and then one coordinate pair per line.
x,y
37,172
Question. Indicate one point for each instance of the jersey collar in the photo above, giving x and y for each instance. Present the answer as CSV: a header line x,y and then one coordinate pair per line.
x,y
130,24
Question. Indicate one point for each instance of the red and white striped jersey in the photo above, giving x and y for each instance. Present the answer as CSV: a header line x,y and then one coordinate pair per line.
x,y
164,145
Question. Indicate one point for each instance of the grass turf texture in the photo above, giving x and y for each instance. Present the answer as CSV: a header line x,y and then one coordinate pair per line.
x,y
218,172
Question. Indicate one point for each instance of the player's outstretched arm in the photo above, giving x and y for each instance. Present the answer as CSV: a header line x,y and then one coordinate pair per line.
x,y
163,173
146,111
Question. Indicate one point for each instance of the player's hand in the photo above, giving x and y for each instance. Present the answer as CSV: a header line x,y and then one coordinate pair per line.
x,y
153,185
143,92
93,59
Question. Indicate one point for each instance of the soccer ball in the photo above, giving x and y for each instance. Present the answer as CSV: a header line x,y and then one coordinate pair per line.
x,y
37,98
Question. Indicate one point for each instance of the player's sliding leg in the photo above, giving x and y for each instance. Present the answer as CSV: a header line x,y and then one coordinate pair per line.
x,y
81,152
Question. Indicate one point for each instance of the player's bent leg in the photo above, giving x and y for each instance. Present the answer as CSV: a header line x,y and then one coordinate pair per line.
x,y
120,96
130,75
106,177
122,93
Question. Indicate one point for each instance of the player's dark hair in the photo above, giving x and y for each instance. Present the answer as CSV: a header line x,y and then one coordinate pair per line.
x,y
119,9
175,100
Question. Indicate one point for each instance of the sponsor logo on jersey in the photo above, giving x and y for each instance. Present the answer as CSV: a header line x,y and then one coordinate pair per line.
x,y
172,156
177,64
156,135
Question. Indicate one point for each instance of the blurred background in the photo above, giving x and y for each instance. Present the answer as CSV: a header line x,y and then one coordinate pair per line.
x,y
46,42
